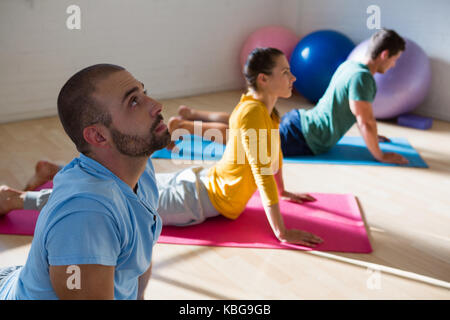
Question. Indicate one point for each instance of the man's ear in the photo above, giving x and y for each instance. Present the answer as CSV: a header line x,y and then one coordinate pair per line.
x,y
95,135
384,54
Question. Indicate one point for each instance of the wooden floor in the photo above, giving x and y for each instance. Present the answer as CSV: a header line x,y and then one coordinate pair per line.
x,y
407,211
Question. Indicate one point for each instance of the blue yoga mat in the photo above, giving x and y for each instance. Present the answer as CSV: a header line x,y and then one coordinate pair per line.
x,y
348,151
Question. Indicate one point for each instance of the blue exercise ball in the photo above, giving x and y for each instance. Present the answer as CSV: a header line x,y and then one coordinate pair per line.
x,y
315,59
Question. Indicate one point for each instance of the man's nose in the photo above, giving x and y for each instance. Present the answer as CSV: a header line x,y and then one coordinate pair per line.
x,y
155,108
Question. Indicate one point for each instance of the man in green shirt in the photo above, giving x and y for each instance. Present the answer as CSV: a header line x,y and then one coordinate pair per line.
x,y
348,99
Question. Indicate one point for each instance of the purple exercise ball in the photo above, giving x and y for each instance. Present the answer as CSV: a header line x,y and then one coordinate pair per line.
x,y
402,88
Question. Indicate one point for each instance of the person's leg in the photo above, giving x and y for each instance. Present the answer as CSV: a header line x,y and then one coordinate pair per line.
x,y
208,130
192,114
36,200
5,272
44,171
182,199
292,140
12,199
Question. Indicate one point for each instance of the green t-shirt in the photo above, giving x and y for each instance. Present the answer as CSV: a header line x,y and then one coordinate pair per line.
x,y
325,124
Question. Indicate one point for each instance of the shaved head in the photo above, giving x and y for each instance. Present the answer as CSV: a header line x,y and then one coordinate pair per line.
x,y
77,107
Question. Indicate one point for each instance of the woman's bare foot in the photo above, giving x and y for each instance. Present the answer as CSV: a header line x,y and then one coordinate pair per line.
x,y
185,112
44,171
10,199
174,123
191,114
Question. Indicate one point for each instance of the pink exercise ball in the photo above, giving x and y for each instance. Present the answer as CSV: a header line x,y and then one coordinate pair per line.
x,y
278,37
402,88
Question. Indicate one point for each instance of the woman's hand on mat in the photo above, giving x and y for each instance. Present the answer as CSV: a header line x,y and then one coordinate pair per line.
x,y
392,157
300,237
296,197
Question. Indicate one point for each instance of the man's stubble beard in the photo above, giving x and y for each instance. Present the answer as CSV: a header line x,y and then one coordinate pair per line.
x,y
136,146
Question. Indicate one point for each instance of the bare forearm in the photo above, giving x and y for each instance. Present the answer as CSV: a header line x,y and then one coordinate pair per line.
x,y
370,135
276,220
279,180
289,235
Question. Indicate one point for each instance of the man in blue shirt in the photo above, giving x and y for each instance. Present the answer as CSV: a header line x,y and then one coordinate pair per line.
x,y
94,238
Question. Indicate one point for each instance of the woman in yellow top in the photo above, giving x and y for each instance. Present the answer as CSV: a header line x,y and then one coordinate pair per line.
x,y
252,160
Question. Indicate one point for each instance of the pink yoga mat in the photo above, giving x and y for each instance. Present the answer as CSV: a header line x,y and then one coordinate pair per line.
x,y
335,218
21,222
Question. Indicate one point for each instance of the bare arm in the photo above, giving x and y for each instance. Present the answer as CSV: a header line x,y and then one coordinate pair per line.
x,y
143,281
286,195
368,127
276,220
289,235
266,179
83,282
279,180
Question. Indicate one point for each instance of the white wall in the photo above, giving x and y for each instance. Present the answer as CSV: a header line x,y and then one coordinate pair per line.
x,y
176,47
425,22
186,47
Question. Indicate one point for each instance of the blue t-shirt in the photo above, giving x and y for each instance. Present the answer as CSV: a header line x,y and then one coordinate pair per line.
x,y
92,217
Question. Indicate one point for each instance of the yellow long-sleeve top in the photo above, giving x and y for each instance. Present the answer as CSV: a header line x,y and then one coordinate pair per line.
x,y
251,158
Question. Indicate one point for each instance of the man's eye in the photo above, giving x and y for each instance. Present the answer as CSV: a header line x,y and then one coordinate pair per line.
x,y
133,102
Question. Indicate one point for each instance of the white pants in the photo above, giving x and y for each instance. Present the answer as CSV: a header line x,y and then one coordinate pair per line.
x,y
183,198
